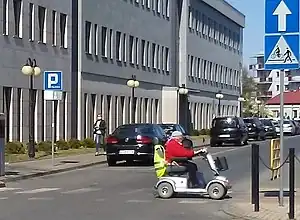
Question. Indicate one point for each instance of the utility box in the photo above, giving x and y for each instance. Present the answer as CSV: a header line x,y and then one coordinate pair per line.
x,y
2,144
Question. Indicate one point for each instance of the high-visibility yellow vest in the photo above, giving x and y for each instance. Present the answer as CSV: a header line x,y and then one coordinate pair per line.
x,y
160,164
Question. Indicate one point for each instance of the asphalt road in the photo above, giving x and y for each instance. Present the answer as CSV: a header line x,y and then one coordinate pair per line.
x,y
123,192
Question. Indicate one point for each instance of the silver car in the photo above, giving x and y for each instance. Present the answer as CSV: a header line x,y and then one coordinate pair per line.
x,y
289,127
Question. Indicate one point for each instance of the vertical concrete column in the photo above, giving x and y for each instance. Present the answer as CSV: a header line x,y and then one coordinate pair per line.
x,y
183,50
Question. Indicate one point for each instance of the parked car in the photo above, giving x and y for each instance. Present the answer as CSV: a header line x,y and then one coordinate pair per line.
x,y
134,142
269,127
289,127
255,128
277,126
169,128
297,126
229,129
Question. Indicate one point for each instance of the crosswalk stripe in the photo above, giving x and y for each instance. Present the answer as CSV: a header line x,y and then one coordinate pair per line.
x,y
138,201
37,190
132,191
8,189
41,198
3,198
82,190
191,202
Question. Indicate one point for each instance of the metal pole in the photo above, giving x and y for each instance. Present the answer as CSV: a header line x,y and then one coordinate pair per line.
x,y
281,136
132,106
31,147
292,183
219,107
53,130
256,205
252,174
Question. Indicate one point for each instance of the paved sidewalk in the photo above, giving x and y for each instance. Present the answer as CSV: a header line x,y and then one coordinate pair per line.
x,y
36,168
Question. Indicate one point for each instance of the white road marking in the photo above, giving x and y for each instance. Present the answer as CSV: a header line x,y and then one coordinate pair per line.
x,y
3,198
41,198
82,190
100,200
192,202
138,201
38,190
132,191
9,189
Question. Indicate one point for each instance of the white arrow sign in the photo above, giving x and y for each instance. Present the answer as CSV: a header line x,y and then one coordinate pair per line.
x,y
282,11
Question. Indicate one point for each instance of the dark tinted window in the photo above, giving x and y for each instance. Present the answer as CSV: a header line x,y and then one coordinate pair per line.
x,y
267,122
160,131
133,130
248,120
168,128
224,123
182,129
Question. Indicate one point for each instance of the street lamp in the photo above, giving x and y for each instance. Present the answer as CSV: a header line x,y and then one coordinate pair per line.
x,y
219,96
183,106
241,100
31,69
133,83
258,102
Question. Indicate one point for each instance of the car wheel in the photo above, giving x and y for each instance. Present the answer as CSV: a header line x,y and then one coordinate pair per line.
x,y
165,190
245,142
213,144
216,191
111,162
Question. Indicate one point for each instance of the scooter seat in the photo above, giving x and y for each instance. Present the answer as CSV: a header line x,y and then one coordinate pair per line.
x,y
175,170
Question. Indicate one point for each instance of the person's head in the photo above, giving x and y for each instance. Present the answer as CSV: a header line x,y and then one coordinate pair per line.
x,y
99,117
177,135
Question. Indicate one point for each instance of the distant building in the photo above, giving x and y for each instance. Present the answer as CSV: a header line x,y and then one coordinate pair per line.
x,y
268,81
291,104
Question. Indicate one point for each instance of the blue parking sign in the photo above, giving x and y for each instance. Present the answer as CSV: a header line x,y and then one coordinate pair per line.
x,y
53,80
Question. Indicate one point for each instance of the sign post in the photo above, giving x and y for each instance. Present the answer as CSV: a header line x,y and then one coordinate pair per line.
x,y
53,86
281,52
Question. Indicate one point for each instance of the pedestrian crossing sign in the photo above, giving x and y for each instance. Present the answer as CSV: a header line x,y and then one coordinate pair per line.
x,y
282,52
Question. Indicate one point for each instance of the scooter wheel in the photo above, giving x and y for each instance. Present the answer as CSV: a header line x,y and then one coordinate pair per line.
x,y
165,190
216,191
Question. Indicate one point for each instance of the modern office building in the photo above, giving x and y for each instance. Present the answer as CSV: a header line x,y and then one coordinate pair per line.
x,y
166,45
268,81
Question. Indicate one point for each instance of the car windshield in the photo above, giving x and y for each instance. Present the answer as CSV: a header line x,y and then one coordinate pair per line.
x,y
133,130
275,123
266,122
286,122
168,128
248,120
224,123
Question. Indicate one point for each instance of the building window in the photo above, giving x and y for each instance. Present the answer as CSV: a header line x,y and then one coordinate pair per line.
x,y
111,43
167,8
158,6
42,24
124,46
31,21
153,56
118,46
295,114
17,4
96,40
148,54
104,41
137,51
63,30
5,17
167,62
144,53
88,37
54,27
157,56
162,51
131,49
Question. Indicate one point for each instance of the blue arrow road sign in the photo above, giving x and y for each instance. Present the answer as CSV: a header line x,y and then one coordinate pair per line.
x,y
282,34
281,16
53,80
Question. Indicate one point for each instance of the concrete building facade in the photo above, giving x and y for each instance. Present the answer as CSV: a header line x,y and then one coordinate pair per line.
x,y
165,44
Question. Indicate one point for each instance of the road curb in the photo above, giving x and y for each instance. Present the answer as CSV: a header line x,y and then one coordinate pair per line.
x,y
50,172
226,210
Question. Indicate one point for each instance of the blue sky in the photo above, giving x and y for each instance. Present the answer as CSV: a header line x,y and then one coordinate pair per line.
x,y
254,30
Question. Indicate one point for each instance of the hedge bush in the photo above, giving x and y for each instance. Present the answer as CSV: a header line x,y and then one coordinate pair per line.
x,y
204,132
15,148
45,147
89,143
62,145
74,143
195,133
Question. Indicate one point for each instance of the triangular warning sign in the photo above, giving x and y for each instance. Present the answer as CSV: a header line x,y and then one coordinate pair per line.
x,y
282,54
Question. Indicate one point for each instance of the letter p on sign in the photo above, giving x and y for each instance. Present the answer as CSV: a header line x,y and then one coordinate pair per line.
x,y
53,80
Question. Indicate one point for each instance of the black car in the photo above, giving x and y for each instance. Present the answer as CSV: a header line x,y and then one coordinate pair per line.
x,y
270,128
228,130
169,128
255,128
297,126
133,142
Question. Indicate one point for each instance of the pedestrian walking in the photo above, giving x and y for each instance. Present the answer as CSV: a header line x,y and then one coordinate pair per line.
x,y
99,133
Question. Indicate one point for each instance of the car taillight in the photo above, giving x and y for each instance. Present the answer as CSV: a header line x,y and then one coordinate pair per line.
x,y
111,140
143,140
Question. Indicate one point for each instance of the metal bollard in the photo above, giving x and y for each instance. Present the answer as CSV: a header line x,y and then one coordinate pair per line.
x,y
292,183
255,176
2,144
